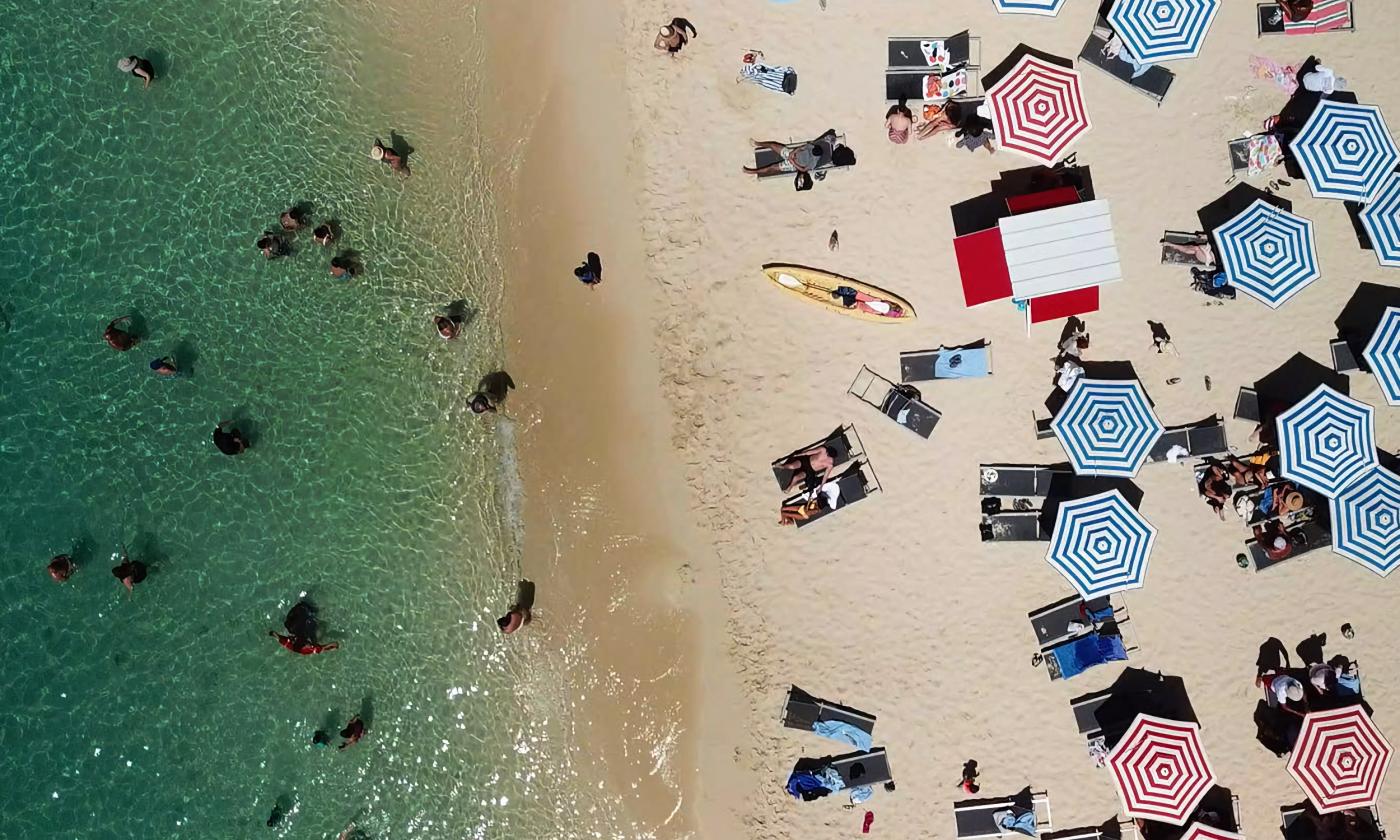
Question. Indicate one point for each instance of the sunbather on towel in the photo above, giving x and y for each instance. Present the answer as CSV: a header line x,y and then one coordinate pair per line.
x,y
824,498
937,120
853,299
1274,538
806,464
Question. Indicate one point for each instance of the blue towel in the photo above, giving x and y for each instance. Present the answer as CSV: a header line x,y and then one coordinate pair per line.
x,y
1022,822
800,783
841,731
1348,685
1085,652
1100,616
961,364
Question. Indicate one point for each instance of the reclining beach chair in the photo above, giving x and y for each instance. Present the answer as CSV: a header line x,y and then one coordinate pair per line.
x,y
1074,656
974,817
868,767
766,157
936,86
1051,623
1013,526
1201,439
1306,537
1343,360
966,361
1154,83
1327,16
1295,827
1247,405
803,711
843,443
855,485
1017,480
1171,256
901,404
1085,709
923,53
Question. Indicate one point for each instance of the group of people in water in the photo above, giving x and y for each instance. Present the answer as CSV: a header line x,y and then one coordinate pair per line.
x,y
130,572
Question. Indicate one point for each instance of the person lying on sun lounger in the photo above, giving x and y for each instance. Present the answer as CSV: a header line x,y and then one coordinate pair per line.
x,y
853,299
805,158
825,497
1199,252
806,464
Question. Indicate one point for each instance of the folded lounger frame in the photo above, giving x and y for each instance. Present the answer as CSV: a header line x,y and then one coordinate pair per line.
x,y
766,157
802,711
923,365
855,485
1154,83
878,392
974,818
844,444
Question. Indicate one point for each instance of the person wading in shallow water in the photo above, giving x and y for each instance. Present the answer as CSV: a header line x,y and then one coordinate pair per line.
x,y
61,568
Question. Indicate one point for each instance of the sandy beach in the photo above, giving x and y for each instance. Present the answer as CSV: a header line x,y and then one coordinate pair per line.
x,y
650,407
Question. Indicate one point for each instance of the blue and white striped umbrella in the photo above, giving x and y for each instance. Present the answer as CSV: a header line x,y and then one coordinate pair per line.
x,y
1029,7
1381,218
1366,521
1101,544
1162,30
1268,253
1382,354
1327,441
1345,151
1106,427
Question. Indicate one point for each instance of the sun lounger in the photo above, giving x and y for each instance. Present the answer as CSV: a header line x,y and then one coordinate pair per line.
x,y
843,443
1075,656
974,817
1201,439
803,710
1086,709
767,157
967,361
1296,827
913,53
855,485
1327,16
1019,480
1013,526
918,86
1154,83
1051,623
1171,256
1247,405
1044,427
1343,360
901,404
1306,537
869,767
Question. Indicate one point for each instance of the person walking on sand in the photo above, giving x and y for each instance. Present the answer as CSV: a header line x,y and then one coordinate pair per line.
x,y
673,37
139,67
120,339
61,568
590,273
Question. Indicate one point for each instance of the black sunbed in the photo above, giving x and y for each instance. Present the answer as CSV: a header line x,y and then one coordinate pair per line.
x,y
974,818
1201,439
1296,828
1020,480
1343,360
909,85
1050,623
1086,709
1306,537
907,410
922,365
838,442
803,710
766,157
1247,405
1154,83
905,53
1013,526
870,767
854,484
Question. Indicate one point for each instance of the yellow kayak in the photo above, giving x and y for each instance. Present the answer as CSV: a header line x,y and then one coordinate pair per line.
x,y
857,299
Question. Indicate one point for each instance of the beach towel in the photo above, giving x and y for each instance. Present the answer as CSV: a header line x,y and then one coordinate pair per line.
x,y
938,88
936,53
1326,16
1078,656
1264,153
839,730
1022,822
806,786
782,79
1283,75
959,364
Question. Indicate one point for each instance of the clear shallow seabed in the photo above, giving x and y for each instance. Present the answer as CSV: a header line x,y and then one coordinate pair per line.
x,y
369,486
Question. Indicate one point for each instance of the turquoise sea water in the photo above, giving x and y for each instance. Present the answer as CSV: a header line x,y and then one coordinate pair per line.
x,y
370,486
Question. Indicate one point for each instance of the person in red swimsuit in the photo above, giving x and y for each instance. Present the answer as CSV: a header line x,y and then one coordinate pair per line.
x,y
304,647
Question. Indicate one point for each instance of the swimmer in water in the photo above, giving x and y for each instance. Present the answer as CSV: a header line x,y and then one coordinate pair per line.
x,y
61,568
304,647
519,613
293,219
230,441
276,816
165,366
342,268
118,338
129,572
323,235
320,739
447,328
352,733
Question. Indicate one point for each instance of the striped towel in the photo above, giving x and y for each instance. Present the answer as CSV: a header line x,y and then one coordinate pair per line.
x,y
1326,15
765,76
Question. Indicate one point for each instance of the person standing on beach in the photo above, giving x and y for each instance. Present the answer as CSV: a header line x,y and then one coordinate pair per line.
x,y
590,273
139,67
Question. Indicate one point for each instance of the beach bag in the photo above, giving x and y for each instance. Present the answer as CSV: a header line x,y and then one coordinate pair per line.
x,y
802,182
790,82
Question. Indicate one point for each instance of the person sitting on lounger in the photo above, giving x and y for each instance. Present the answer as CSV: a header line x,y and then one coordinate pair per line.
x,y
898,123
825,498
1214,485
854,299
1273,537
1285,689
806,464
1245,473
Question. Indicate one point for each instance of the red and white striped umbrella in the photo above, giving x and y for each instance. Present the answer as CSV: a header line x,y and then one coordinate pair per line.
x,y
1201,831
1161,769
1038,109
1340,759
